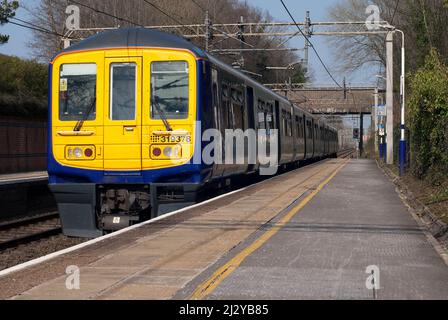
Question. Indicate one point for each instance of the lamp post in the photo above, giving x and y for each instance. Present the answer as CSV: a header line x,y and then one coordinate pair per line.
x,y
402,147
402,154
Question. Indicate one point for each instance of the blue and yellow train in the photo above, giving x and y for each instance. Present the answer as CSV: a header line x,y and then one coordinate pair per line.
x,y
127,109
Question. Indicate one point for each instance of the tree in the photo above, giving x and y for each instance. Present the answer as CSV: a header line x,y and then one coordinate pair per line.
x,y
423,22
50,14
7,10
354,52
428,118
23,87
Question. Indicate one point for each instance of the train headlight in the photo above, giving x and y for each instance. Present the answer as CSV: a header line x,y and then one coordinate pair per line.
x,y
80,152
77,152
177,151
167,152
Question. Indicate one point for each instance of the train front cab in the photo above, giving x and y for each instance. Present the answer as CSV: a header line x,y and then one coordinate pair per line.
x,y
108,144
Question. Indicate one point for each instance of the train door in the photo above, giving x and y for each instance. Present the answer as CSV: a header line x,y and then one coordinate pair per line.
x,y
270,126
279,135
217,119
122,120
226,122
250,115
305,136
314,141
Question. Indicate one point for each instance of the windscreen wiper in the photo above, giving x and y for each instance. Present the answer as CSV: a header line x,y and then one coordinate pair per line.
x,y
79,124
170,84
162,115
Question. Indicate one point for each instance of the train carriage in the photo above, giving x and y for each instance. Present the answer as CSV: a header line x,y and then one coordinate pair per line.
x,y
127,110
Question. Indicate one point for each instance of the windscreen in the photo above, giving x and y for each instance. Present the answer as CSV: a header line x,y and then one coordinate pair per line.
x,y
169,90
77,91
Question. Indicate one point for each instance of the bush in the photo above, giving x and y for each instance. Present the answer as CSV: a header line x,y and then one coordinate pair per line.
x,y
428,115
23,87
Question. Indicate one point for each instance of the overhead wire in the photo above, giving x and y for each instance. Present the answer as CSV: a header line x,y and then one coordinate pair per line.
x,y
168,15
220,31
310,44
106,13
31,27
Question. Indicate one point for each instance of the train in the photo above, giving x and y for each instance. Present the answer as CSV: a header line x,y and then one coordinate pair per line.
x,y
128,109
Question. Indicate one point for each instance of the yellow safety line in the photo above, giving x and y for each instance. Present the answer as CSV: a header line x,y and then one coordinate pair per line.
x,y
223,272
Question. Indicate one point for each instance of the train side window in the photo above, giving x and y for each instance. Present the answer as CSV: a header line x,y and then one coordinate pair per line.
x,y
297,127
261,115
302,129
240,97
261,120
309,130
226,113
215,104
234,95
225,91
287,118
237,109
284,123
122,91
77,91
290,124
269,122
269,117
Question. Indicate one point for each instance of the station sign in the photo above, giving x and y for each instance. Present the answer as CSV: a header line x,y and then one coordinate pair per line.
x,y
381,130
381,110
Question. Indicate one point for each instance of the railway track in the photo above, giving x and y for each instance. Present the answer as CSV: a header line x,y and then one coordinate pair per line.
x,y
346,153
35,228
27,230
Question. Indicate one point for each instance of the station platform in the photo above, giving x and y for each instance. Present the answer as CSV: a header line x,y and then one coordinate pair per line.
x,y
308,234
23,178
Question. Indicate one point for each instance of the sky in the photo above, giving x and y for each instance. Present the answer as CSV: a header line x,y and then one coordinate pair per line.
x,y
20,37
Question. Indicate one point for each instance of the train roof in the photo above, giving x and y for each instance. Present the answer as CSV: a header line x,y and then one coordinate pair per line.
x,y
255,84
134,37
144,37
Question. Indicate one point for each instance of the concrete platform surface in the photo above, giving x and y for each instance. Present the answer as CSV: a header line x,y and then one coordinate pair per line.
x,y
356,222
290,237
23,178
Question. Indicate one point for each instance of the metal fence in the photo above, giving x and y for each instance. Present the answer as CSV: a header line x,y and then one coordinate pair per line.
x,y
23,145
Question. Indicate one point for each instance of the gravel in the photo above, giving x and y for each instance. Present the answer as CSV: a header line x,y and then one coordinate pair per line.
x,y
36,249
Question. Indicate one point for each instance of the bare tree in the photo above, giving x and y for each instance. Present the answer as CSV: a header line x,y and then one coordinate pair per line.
x,y
51,15
355,52
424,23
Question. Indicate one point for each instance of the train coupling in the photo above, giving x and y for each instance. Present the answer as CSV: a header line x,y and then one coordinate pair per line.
x,y
117,222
